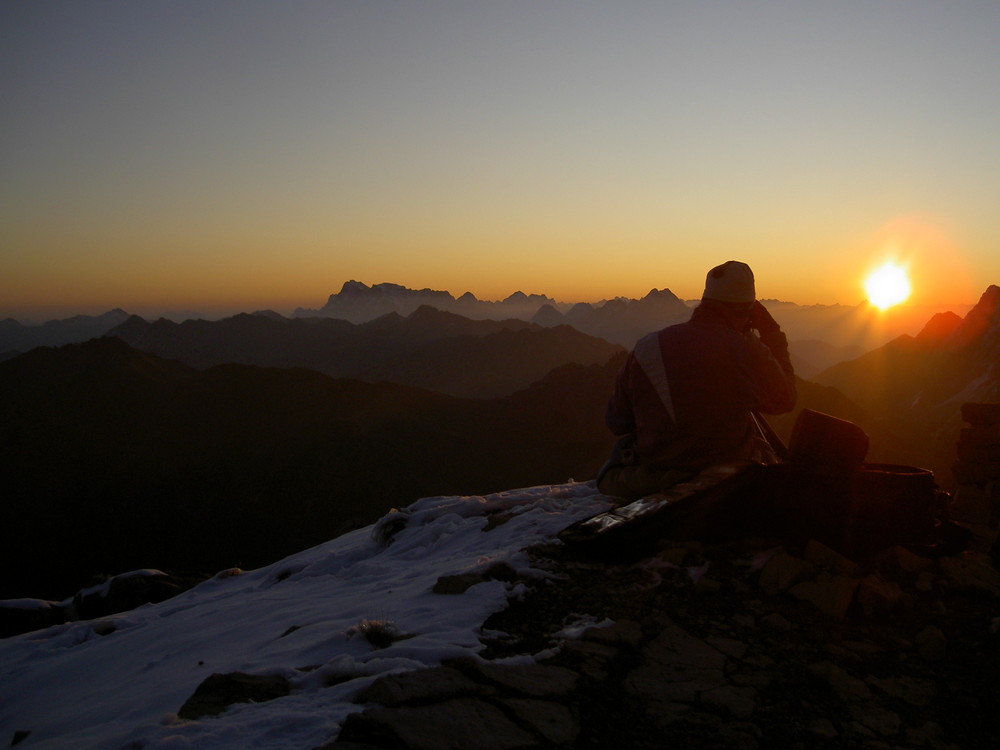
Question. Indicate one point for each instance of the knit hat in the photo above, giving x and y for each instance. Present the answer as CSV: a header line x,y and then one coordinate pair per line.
x,y
730,282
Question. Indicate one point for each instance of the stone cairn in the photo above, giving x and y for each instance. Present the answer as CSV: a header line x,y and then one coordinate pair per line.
x,y
976,503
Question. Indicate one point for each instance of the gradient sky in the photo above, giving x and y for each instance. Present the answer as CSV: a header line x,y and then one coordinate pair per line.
x,y
200,155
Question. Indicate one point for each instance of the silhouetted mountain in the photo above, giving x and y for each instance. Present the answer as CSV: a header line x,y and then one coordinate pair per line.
x,y
939,327
359,303
916,384
858,325
114,459
432,349
548,316
622,321
947,358
16,337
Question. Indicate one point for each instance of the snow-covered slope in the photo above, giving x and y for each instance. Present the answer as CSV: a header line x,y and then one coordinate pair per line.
x,y
71,687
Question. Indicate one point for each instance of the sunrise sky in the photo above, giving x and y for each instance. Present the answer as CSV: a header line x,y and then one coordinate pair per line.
x,y
159,156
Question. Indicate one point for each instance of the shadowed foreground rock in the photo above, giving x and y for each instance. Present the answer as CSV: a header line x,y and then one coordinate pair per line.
x,y
118,593
770,641
730,641
219,691
739,644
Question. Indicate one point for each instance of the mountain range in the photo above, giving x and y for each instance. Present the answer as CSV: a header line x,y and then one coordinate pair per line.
x,y
115,458
358,303
623,320
917,384
819,335
16,338
431,349
113,455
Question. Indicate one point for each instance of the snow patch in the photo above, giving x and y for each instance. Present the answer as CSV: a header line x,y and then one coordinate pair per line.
x,y
582,624
71,686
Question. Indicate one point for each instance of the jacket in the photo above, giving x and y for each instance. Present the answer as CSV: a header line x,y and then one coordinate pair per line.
x,y
686,393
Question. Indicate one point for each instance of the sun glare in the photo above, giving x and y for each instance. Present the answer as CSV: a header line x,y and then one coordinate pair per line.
x,y
887,285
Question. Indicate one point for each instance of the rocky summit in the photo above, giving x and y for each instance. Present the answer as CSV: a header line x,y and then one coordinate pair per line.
x,y
733,643
736,644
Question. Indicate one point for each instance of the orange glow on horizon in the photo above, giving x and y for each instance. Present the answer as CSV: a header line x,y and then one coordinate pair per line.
x,y
932,263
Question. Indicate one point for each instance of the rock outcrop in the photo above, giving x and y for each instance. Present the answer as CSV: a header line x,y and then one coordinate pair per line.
x,y
114,594
700,646
739,642
977,474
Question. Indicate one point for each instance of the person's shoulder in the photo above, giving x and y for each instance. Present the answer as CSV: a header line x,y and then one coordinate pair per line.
x,y
649,338
655,338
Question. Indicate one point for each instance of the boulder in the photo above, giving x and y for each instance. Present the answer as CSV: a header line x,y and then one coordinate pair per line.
x,y
25,615
219,691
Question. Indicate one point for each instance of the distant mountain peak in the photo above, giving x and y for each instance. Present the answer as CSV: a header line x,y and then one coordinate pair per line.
x,y
939,327
356,291
431,314
354,287
989,302
663,294
547,316
387,287
981,320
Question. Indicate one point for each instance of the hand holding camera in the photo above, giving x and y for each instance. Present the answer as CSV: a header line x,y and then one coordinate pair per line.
x,y
761,319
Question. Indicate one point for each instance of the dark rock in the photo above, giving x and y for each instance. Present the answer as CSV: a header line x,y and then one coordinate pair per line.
x,y
621,633
915,691
457,584
127,591
888,658
24,615
533,680
589,658
736,701
422,686
931,643
219,691
829,559
456,724
782,571
119,593
554,722
881,598
676,668
462,582
832,594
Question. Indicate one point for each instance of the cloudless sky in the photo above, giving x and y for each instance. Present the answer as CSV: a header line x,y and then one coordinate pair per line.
x,y
195,155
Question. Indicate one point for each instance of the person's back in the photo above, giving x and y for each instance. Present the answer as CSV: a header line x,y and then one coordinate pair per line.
x,y
684,398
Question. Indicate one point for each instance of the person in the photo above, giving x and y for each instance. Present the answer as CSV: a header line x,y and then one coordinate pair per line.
x,y
686,396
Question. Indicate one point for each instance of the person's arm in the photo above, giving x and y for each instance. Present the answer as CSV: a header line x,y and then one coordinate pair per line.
x,y
772,364
771,335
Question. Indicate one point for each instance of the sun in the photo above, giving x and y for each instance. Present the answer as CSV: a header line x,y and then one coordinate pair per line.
x,y
887,285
